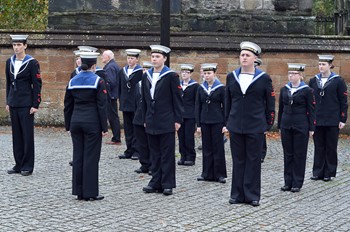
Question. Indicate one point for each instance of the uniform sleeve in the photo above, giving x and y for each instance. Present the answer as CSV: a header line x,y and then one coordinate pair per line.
x,y
177,99
143,97
8,79
101,97
343,100
68,108
310,107
36,83
223,104
280,109
198,107
270,104
228,96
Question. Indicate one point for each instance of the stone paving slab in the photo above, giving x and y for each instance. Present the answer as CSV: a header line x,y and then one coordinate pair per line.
x,y
43,201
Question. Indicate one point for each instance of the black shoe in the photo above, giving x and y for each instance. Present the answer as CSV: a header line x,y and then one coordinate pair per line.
x,y
79,197
254,203
199,147
141,171
262,160
201,178
168,192
26,173
123,156
12,171
222,180
295,190
285,188
327,179
97,198
189,163
234,201
315,178
149,189
150,173
135,157
70,163
180,162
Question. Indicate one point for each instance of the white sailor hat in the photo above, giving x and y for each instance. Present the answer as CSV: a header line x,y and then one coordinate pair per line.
x,y
89,57
258,62
19,38
249,46
87,49
326,58
147,64
189,67
160,49
133,52
296,67
209,67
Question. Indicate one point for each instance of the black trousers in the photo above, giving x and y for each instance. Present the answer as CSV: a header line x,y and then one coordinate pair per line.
x,y
87,139
142,147
213,150
326,156
246,166
113,119
129,133
186,139
264,148
162,149
22,138
294,144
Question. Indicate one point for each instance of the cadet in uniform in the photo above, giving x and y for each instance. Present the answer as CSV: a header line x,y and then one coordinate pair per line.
x,y
129,76
210,118
162,112
139,128
331,114
23,96
296,121
188,126
85,115
250,102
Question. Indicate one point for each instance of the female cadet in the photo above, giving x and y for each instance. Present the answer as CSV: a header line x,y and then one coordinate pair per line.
x,y
188,126
296,121
331,114
85,114
210,123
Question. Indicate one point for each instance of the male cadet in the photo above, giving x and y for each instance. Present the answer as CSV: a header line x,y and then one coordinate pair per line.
x,y
111,68
23,96
162,112
129,76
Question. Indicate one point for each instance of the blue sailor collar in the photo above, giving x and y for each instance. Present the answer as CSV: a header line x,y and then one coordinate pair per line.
x,y
137,68
258,73
191,82
26,59
85,80
164,72
217,84
331,76
302,85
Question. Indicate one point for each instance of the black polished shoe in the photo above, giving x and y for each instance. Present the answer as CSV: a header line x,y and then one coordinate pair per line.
x,y
134,157
70,163
12,171
79,197
285,188
139,170
149,189
123,156
97,198
168,192
315,178
234,201
254,203
327,179
201,178
295,190
222,180
26,173
180,162
189,163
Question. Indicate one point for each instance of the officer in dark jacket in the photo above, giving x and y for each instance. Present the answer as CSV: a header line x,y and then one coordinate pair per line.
x,y
23,96
250,110
85,114
331,114
162,112
210,118
129,76
188,126
296,121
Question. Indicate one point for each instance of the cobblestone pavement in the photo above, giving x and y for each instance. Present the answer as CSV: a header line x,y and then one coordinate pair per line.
x,y
43,201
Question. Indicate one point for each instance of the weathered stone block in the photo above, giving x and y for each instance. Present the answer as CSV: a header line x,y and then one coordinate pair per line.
x,y
251,4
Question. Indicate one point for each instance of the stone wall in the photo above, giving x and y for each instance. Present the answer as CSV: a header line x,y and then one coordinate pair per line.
x,y
247,16
55,54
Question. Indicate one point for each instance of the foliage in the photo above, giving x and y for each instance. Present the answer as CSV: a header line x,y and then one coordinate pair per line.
x,y
23,14
323,8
